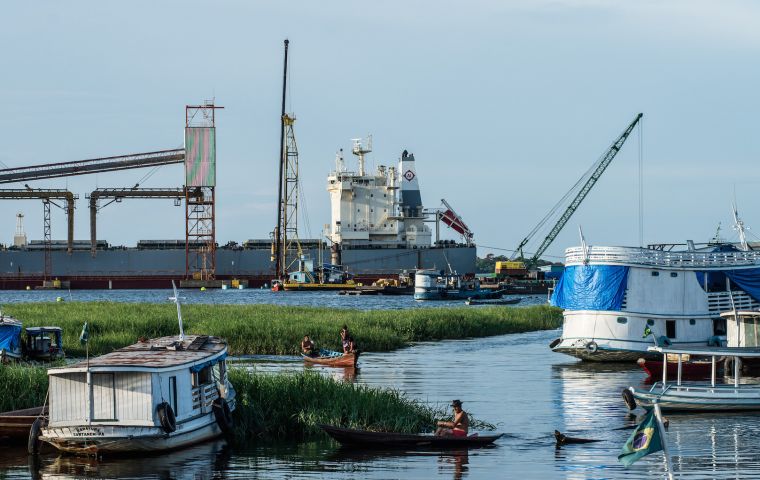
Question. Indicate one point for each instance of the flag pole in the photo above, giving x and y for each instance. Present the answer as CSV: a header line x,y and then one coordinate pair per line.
x,y
661,428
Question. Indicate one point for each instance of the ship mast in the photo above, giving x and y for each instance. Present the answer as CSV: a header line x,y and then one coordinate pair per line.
x,y
277,237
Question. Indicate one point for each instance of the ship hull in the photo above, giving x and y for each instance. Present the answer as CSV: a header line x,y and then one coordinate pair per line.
x,y
125,268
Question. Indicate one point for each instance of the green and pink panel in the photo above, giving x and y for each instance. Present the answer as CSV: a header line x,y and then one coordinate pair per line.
x,y
200,157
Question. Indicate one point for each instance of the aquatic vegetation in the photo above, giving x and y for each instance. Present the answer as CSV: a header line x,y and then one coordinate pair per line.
x,y
293,405
22,386
275,329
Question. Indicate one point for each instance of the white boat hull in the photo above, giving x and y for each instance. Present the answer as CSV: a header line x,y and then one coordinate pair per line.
x,y
721,398
98,439
616,336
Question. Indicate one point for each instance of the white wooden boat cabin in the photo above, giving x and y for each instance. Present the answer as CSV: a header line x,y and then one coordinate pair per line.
x,y
697,396
155,395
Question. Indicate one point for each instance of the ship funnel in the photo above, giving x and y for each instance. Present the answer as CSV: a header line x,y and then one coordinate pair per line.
x,y
411,200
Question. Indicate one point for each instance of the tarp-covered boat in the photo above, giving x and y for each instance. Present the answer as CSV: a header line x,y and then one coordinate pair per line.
x,y
332,359
10,339
363,438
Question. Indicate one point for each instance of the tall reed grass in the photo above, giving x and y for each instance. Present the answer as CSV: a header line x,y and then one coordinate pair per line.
x,y
292,405
273,329
22,386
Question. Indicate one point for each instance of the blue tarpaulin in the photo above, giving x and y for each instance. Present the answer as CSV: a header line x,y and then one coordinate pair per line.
x,y
10,337
591,287
200,366
748,279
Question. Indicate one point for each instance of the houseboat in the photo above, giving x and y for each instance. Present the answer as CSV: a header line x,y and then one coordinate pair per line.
x,y
437,285
10,339
155,395
618,301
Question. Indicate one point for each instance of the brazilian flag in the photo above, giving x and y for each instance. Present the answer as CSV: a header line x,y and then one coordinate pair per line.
x,y
643,441
647,332
84,337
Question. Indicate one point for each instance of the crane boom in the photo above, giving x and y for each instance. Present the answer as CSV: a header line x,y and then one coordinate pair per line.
x,y
597,173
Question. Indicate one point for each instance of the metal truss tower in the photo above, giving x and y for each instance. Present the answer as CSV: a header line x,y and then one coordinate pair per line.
x,y
200,191
291,246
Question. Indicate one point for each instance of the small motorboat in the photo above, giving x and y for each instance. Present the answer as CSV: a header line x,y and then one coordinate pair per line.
x,y
505,301
363,438
332,359
692,370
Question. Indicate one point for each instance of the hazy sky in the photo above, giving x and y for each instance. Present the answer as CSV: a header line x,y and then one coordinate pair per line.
x,y
504,104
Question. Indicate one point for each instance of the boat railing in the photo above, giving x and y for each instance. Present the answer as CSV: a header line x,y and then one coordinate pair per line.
x,y
204,395
658,258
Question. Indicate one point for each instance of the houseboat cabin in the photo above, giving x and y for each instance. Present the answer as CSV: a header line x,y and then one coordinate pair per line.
x,y
155,395
43,343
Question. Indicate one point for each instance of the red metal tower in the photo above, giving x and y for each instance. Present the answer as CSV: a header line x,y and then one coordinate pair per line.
x,y
200,186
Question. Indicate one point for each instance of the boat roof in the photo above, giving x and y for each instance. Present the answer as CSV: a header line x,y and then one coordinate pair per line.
x,y
710,351
164,352
6,320
42,329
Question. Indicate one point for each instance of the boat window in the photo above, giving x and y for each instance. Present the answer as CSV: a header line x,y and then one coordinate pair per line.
x,y
692,321
173,393
655,274
670,328
650,322
673,274
622,320
202,377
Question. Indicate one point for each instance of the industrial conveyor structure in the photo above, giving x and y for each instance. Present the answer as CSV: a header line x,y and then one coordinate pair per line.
x,y
47,196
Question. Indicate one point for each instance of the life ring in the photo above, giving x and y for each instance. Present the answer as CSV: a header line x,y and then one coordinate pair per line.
x,y
629,399
166,417
223,415
555,342
34,443
592,347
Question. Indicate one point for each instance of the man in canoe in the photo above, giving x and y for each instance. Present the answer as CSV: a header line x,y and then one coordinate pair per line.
x,y
459,426
347,340
308,347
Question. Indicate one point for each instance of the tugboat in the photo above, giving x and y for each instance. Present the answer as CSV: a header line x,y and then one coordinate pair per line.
x,y
437,285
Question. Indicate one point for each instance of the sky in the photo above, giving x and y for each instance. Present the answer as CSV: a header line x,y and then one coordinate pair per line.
x,y
505,104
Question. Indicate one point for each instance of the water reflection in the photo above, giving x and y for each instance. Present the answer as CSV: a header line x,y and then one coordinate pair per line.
x,y
454,463
204,461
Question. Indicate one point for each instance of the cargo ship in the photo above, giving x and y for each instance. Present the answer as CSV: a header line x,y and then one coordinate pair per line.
x,y
378,229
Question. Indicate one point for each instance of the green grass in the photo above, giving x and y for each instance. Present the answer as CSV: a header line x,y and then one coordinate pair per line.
x,y
277,330
22,386
293,405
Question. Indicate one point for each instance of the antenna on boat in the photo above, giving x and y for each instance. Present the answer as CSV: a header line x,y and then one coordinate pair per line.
x,y
176,299
740,228
584,245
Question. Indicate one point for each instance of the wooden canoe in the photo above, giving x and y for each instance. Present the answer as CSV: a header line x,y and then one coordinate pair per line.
x,y
16,424
363,438
333,359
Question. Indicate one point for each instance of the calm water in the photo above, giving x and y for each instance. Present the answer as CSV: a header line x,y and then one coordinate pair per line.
x,y
512,381
247,296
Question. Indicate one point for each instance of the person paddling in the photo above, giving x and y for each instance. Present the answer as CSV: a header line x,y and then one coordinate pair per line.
x,y
308,347
459,426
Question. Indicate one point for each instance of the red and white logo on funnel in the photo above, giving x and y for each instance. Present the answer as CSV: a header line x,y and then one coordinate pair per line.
x,y
409,175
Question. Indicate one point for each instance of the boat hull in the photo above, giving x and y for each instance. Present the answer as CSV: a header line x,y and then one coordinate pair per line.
x,y
457,294
345,360
362,438
689,398
16,424
616,336
115,439
689,370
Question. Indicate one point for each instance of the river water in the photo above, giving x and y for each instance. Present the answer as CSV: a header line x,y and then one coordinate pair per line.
x,y
513,381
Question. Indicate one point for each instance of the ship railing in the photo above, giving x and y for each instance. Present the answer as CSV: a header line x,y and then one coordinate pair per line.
x,y
643,256
719,302
204,396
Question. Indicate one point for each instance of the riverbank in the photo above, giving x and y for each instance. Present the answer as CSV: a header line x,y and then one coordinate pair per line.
x,y
273,406
278,330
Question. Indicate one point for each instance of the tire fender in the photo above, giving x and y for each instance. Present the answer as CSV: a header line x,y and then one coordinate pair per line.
x,y
223,415
166,417
34,443
592,347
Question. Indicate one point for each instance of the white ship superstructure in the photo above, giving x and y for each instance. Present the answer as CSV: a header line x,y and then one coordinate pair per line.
x,y
380,209
612,295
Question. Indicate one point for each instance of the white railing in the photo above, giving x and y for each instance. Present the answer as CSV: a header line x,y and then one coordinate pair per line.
x,y
657,258
204,396
719,302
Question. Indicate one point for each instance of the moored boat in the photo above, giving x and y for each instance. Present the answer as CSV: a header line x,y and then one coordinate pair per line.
x,y
364,438
332,359
694,369
16,424
699,397
10,339
437,285
43,343
508,301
